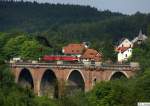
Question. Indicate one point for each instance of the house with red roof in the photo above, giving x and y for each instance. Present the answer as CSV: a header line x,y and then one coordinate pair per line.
x,y
124,43
74,49
91,55
124,53
124,50
83,52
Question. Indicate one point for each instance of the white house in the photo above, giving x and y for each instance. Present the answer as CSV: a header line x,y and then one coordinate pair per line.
x,y
124,50
125,43
124,53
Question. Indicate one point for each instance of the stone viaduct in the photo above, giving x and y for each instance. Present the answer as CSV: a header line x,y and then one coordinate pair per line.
x,y
49,79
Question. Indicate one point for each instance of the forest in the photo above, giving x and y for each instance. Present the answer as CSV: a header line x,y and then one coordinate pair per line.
x,y
31,30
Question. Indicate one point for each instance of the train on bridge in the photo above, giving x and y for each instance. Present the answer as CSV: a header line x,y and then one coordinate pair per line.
x,y
48,58
58,59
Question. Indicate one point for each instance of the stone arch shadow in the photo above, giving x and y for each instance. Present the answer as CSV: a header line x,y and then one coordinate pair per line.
x,y
25,79
75,81
118,75
49,84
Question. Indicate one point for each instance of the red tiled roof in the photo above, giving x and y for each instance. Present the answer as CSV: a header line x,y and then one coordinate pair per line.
x,y
74,49
92,54
122,49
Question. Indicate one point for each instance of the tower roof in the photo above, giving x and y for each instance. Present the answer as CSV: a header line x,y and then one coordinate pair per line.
x,y
141,36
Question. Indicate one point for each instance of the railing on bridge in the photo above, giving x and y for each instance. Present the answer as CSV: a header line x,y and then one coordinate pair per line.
x,y
103,66
125,66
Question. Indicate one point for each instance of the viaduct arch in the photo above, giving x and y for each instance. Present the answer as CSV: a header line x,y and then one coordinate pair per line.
x,y
45,79
75,80
25,79
118,75
48,84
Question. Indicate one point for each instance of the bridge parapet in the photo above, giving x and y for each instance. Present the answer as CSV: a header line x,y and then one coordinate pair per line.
x,y
127,67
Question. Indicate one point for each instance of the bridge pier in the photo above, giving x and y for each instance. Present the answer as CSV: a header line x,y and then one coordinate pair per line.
x,y
36,80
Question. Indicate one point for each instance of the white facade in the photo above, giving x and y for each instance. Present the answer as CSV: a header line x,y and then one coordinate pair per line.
x,y
125,43
124,56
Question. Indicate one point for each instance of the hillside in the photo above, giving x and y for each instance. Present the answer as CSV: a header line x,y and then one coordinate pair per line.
x,y
56,25
30,17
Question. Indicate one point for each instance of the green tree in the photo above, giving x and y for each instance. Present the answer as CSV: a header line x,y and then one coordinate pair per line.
x,y
33,50
141,54
13,46
44,101
142,86
114,93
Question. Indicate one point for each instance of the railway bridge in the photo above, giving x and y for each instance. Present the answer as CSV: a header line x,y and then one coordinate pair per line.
x,y
51,79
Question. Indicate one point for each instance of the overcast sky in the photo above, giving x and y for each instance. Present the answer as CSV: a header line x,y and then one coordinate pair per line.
x,y
124,6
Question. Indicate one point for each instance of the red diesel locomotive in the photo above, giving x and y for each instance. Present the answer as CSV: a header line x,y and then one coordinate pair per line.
x,y
60,58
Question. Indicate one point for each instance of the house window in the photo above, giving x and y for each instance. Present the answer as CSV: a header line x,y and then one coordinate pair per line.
x,y
126,55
